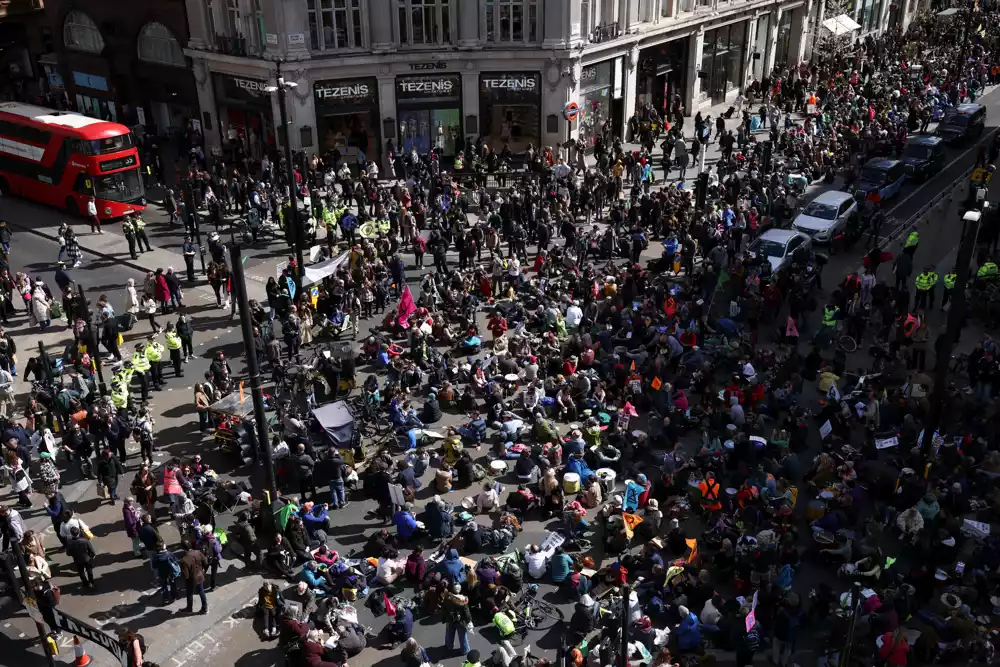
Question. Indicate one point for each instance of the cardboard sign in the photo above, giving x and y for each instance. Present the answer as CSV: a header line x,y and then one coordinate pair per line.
x,y
751,620
886,443
826,429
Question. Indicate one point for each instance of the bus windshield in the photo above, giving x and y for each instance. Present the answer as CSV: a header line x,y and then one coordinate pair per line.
x,y
103,146
124,186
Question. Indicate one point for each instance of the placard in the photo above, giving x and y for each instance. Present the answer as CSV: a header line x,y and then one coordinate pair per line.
x,y
396,494
886,443
826,429
751,620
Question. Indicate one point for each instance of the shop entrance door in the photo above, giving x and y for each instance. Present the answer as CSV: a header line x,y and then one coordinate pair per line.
x,y
719,84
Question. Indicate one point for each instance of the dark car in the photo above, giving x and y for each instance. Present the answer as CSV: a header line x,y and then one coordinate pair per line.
x,y
965,121
880,178
923,156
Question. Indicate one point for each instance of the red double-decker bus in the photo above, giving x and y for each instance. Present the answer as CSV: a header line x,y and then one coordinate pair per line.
x,y
64,158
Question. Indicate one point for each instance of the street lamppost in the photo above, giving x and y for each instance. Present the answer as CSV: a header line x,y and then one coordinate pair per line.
x,y
293,214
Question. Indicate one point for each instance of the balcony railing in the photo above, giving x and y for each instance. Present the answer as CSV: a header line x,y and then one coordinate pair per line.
x,y
605,33
237,46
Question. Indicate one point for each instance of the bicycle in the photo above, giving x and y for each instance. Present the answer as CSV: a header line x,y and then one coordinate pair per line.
x,y
537,613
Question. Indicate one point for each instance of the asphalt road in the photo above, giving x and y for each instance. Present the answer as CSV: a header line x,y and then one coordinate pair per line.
x,y
226,635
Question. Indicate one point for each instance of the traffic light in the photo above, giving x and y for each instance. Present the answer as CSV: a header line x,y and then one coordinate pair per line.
x,y
701,191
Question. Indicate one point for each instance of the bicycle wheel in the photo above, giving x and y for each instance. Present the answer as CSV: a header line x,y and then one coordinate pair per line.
x,y
847,344
545,614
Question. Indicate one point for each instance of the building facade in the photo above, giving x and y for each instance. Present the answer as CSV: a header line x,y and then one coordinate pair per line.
x,y
433,73
122,62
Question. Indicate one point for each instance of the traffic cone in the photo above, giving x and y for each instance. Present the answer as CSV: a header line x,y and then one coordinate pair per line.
x,y
82,659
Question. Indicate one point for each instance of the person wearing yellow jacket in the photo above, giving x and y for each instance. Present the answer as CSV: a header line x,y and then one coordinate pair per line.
x,y
173,341
154,354
140,369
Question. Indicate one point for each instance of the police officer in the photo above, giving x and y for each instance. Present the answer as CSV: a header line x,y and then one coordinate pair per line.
x,y
925,283
174,348
189,250
128,229
831,313
140,234
912,241
949,285
154,354
140,367
987,272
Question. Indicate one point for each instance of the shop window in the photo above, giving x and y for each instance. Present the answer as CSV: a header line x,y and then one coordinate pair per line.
x,y
213,30
80,33
335,24
157,45
512,21
233,18
424,22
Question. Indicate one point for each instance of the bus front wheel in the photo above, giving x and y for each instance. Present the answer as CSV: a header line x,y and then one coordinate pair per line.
x,y
72,208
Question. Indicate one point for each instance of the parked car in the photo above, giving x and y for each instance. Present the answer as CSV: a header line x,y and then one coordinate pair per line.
x,y
826,216
923,156
880,177
965,121
778,246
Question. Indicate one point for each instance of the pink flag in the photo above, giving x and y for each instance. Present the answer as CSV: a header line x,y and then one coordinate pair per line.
x,y
791,331
406,308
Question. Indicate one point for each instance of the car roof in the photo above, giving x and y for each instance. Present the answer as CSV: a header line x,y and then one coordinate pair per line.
x,y
968,108
880,163
780,235
925,141
833,197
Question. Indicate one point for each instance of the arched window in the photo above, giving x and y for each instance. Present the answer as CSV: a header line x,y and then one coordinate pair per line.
x,y
80,33
158,45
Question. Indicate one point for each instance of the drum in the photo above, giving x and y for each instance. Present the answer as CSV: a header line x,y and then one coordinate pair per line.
x,y
498,468
816,510
571,483
606,476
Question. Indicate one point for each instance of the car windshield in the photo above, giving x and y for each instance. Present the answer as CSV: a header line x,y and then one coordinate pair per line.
x,y
918,151
873,175
770,248
958,120
123,186
819,210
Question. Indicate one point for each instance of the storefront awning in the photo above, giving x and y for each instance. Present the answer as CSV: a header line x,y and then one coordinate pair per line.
x,y
841,25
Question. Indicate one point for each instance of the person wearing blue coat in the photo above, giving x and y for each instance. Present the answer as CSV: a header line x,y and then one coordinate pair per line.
x,y
401,627
314,518
406,523
453,568
687,632
438,519
578,465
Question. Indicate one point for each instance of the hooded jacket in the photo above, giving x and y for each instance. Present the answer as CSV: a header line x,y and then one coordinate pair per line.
x,y
453,568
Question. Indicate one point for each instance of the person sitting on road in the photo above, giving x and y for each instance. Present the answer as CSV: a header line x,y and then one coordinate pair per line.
x,y
438,519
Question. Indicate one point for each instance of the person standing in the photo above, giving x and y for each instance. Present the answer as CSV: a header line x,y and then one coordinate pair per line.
x,y
140,234
82,552
174,349
185,329
95,222
458,619
133,521
109,335
189,249
306,466
109,470
128,229
167,569
154,355
193,565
